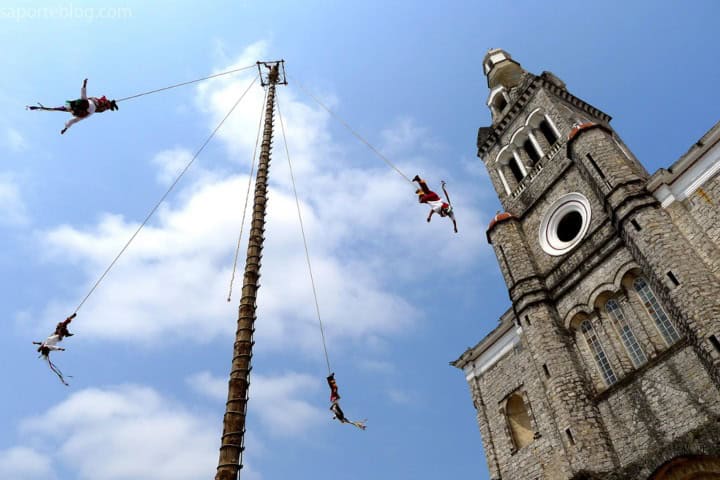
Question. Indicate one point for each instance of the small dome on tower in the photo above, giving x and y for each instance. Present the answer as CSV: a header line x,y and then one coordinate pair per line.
x,y
499,218
501,69
578,127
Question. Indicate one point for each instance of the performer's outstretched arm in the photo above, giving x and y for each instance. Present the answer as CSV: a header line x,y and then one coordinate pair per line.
x,y
442,183
70,123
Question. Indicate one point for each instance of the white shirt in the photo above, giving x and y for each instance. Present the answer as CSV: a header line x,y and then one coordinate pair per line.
x,y
91,107
436,205
51,342
91,102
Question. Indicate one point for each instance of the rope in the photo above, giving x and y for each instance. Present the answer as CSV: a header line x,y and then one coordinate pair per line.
x,y
350,129
186,83
302,230
247,195
57,371
162,199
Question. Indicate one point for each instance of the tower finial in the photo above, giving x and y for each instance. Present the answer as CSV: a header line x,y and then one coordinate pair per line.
x,y
501,69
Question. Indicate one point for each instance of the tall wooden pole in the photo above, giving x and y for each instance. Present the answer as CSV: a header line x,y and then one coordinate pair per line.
x,y
233,437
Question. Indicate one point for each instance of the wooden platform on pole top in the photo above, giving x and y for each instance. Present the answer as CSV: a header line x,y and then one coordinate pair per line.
x,y
266,68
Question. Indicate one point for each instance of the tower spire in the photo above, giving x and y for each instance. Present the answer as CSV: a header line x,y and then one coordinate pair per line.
x,y
501,69
233,436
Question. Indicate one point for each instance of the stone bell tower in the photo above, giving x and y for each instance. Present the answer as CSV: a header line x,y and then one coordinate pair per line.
x,y
607,364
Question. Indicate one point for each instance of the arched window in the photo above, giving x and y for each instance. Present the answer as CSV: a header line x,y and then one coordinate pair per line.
x,y
500,102
662,322
518,420
548,132
688,467
515,169
615,312
600,358
531,151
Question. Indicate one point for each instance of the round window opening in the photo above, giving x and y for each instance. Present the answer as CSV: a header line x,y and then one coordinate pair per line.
x,y
569,226
565,224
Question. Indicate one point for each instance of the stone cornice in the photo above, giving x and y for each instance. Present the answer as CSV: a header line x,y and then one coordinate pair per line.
x,y
506,325
690,171
499,128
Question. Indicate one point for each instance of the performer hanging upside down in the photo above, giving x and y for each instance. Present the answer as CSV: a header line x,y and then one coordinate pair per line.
x,y
335,407
62,328
80,108
50,345
437,205
334,395
340,416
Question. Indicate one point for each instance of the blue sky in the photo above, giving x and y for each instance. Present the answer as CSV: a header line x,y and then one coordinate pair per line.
x,y
400,298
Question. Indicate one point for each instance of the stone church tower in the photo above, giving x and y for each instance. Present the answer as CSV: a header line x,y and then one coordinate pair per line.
x,y
607,364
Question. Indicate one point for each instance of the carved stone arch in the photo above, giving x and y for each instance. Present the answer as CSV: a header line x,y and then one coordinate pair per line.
x,y
614,286
512,171
535,118
519,136
690,467
601,294
498,100
525,146
576,316
534,122
627,270
504,155
630,275
495,91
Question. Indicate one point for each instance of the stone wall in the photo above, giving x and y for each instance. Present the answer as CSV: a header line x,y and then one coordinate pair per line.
x,y
544,456
661,406
698,218
670,397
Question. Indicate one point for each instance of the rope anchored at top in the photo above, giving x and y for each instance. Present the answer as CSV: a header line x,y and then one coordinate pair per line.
x,y
355,134
186,83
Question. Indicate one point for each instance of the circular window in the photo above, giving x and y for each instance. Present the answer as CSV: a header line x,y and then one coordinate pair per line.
x,y
565,224
569,226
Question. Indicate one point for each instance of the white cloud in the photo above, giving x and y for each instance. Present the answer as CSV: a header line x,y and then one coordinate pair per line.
x,y
14,140
177,272
206,384
23,463
279,401
217,96
405,134
367,239
276,399
12,207
137,432
171,163
400,397
376,366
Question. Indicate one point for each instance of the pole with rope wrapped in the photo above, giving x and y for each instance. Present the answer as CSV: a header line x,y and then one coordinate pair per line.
x,y
233,437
